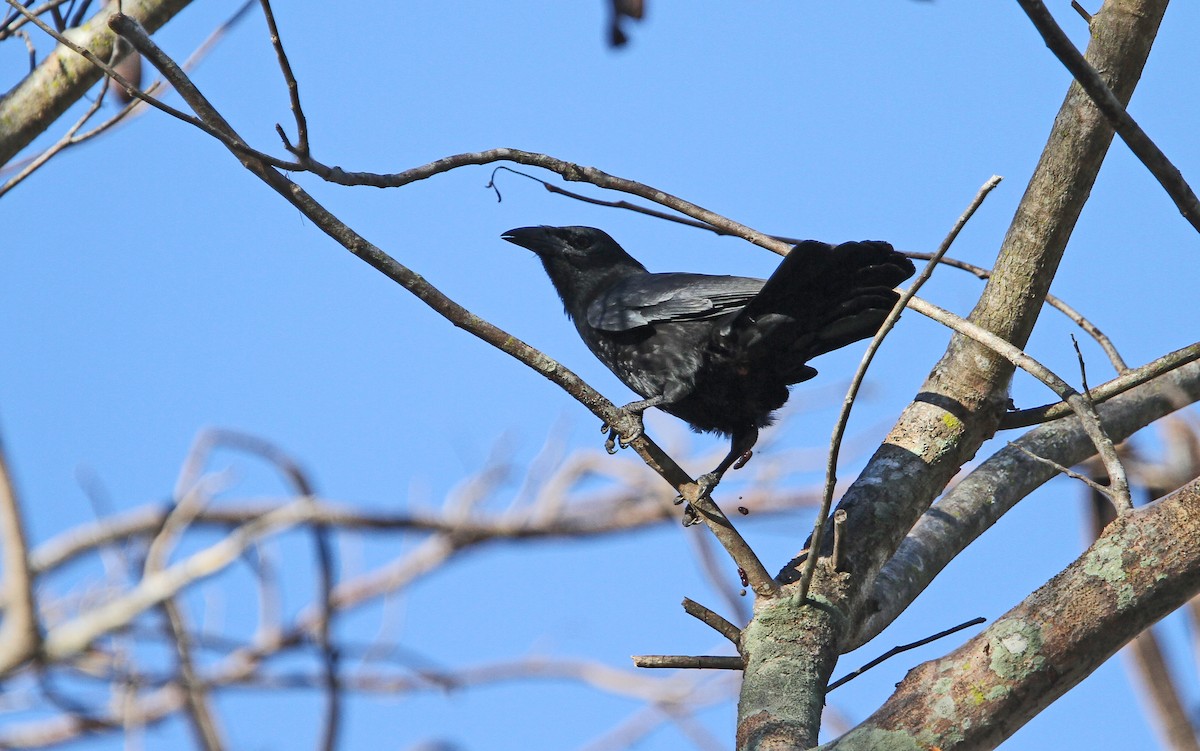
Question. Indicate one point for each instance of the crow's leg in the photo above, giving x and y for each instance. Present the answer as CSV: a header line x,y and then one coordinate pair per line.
x,y
740,451
634,410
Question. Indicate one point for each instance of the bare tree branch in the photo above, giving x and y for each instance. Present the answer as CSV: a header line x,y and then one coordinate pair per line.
x,y
200,712
77,634
1135,377
1113,107
1146,565
158,704
1148,663
712,620
995,486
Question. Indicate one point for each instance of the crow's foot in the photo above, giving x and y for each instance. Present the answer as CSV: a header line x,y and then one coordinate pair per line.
x,y
704,484
616,439
708,481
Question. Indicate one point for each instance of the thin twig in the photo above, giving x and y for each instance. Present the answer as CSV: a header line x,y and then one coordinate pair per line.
x,y
1101,489
330,656
903,648
1167,174
692,662
713,620
1105,391
568,170
163,697
1082,368
199,707
1082,407
190,500
839,430
1057,303
301,147
619,204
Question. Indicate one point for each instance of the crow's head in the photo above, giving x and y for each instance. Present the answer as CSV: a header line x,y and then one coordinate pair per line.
x,y
581,261
580,247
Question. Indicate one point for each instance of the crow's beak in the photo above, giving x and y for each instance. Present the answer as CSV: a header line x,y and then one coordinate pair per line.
x,y
537,239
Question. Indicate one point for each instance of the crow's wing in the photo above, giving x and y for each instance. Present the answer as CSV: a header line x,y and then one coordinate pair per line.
x,y
649,298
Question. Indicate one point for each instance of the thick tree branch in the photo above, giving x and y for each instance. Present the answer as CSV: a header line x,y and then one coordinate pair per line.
x,y
626,508
1146,565
1147,661
964,396
978,501
64,77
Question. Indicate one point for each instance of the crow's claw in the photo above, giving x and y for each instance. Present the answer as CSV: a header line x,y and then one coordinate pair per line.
x,y
690,516
610,443
616,439
705,482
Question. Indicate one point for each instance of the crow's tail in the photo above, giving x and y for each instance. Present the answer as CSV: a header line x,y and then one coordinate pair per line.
x,y
819,299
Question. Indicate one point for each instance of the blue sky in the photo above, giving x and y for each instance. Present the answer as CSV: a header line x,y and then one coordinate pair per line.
x,y
150,287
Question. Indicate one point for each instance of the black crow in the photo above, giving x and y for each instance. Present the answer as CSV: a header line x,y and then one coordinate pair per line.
x,y
718,352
